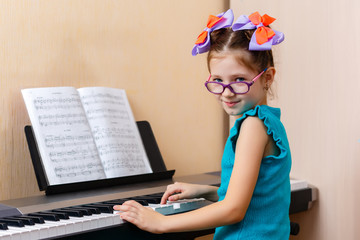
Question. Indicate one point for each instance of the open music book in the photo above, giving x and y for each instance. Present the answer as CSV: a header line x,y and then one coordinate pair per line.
x,y
85,134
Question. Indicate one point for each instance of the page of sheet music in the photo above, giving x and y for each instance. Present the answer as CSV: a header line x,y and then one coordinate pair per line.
x,y
115,132
63,135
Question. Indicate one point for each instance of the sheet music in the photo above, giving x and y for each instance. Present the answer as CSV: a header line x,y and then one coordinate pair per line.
x,y
63,135
115,132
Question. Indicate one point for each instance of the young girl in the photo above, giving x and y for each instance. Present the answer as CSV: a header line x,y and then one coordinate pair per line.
x,y
254,196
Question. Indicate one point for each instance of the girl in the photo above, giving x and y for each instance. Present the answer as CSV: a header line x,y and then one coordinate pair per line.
x,y
254,195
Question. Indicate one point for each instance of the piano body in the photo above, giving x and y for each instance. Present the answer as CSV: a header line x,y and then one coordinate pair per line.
x,y
105,224
84,211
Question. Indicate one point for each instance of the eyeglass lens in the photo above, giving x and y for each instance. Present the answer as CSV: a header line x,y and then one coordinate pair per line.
x,y
237,87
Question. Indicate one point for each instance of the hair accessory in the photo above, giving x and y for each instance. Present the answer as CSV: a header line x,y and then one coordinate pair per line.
x,y
264,37
221,20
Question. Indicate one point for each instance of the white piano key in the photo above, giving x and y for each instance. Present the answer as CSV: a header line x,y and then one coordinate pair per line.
x,y
51,228
4,235
101,220
117,219
81,223
93,220
24,234
43,230
56,228
77,225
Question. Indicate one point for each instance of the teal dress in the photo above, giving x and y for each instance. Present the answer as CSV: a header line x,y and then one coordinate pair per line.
x,y
267,216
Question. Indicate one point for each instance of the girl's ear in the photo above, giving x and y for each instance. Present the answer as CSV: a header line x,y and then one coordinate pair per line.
x,y
269,76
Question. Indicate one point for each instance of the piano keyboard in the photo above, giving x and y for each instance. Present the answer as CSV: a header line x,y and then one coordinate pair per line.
x,y
62,222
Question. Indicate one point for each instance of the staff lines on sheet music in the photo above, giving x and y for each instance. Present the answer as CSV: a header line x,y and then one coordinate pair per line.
x,y
124,148
56,103
113,132
128,163
103,98
62,119
102,95
79,167
71,175
68,141
76,155
108,116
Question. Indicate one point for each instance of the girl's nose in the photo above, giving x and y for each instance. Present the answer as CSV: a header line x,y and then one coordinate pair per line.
x,y
227,92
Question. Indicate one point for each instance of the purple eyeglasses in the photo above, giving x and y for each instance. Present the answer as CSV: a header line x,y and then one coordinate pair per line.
x,y
234,87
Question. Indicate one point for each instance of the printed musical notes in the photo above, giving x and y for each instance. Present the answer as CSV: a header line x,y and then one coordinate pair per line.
x,y
115,132
85,134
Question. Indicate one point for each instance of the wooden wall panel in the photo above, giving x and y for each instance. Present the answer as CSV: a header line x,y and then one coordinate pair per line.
x,y
141,46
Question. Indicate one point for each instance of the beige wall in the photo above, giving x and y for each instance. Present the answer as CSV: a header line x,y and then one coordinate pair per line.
x,y
144,47
141,46
318,90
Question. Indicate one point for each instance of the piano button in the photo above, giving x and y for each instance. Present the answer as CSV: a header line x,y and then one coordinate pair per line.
x,y
3,226
15,223
45,216
35,219
102,207
84,211
26,221
73,213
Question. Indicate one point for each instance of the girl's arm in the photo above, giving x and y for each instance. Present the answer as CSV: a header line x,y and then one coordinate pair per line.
x,y
250,148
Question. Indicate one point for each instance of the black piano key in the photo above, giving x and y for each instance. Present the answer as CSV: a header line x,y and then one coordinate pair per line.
x,y
121,201
26,221
102,207
3,226
148,199
39,220
12,222
46,216
116,202
61,215
84,211
91,209
73,213
156,196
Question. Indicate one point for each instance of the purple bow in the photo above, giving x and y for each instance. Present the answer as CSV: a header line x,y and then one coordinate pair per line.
x,y
221,20
244,23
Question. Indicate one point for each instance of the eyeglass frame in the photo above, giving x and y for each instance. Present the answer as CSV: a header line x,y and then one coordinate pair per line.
x,y
249,84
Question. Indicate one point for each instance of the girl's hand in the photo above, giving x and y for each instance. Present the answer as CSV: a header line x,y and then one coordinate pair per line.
x,y
179,191
144,218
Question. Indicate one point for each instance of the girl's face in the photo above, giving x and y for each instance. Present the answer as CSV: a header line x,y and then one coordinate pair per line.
x,y
226,68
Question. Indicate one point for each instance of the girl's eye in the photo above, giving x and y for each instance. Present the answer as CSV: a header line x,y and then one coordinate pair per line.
x,y
240,79
217,80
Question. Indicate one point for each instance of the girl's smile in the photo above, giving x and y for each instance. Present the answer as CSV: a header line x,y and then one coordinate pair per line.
x,y
231,104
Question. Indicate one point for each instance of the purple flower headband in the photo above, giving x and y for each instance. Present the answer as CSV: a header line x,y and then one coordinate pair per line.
x,y
262,39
